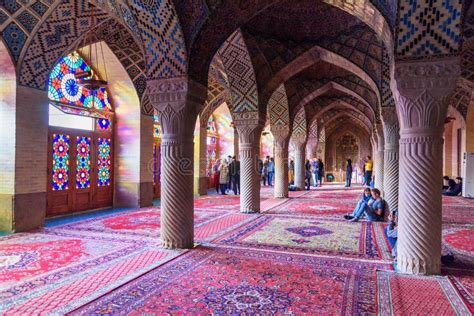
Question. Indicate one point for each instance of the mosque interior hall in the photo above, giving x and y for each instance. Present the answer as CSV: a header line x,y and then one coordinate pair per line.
x,y
202,157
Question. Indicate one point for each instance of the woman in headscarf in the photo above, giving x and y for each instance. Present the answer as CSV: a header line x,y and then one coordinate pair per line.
x,y
224,176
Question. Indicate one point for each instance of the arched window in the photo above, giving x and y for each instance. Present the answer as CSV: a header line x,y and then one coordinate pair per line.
x,y
212,144
80,141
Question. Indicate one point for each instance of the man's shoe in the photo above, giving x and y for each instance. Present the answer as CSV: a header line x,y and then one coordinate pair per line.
x,y
355,219
348,217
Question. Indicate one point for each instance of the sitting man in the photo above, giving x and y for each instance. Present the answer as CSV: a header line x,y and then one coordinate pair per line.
x,y
364,200
374,209
456,189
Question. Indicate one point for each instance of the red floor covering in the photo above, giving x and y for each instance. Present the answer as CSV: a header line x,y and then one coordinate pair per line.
x,y
297,257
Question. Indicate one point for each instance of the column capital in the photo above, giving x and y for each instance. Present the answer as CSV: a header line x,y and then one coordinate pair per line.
x,y
391,128
280,135
424,90
176,92
249,129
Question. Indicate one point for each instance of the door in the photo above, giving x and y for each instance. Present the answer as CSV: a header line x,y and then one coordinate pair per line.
x,y
79,171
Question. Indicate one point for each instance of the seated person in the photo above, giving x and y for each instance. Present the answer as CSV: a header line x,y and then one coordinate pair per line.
x,y
374,209
364,200
456,189
391,231
446,180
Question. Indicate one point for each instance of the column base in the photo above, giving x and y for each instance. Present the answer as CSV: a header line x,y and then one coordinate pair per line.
x,y
417,266
281,196
177,244
200,185
250,211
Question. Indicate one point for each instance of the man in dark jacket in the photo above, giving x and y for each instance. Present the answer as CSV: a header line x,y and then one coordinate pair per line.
x,y
234,169
348,173
456,190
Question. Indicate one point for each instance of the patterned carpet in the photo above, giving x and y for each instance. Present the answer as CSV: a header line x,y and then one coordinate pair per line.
x,y
297,257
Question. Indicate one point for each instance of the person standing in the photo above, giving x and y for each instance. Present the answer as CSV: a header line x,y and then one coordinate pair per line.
x,y
314,170
264,173
234,169
271,171
291,172
229,184
348,173
223,176
368,170
215,177
320,171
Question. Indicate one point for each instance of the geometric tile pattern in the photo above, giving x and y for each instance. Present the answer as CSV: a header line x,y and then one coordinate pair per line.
x,y
126,49
313,129
26,15
161,33
361,46
57,33
460,100
300,124
387,96
428,28
15,39
278,108
240,73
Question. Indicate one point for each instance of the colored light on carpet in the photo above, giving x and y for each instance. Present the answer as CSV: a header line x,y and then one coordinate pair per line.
x,y
232,281
400,294
307,235
69,269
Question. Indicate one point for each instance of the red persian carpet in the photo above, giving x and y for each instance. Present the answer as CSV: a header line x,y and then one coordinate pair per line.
x,y
55,272
304,234
233,282
401,294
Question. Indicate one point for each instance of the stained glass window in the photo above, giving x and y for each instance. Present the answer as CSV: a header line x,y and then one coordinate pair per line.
x,y
104,124
60,170
62,86
104,162
83,165
211,125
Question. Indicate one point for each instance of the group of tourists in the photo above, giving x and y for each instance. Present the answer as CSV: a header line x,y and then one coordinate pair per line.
x,y
227,175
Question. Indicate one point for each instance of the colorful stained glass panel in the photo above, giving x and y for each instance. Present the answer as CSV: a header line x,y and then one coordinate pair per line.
x,y
104,124
83,165
62,85
104,163
60,161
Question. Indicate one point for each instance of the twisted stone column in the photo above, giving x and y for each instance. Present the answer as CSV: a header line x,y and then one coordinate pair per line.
x,y
379,158
422,98
299,145
280,141
177,101
391,156
249,136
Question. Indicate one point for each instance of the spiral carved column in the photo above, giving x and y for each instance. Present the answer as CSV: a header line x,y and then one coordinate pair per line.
x,y
300,146
281,165
424,90
249,146
379,158
391,156
177,101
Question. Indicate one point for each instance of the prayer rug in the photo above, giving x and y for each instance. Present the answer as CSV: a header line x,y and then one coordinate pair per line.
x,y
401,294
463,280
458,214
142,222
51,272
314,207
227,281
218,202
310,235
